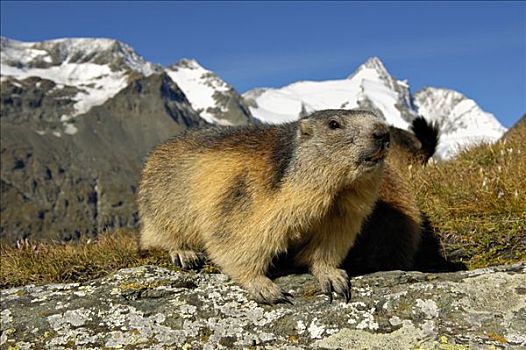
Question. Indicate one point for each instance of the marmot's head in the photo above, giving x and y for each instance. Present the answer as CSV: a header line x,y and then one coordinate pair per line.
x,y
355,141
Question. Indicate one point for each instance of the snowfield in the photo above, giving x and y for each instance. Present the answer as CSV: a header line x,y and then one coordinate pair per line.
x,y
286,104
463,123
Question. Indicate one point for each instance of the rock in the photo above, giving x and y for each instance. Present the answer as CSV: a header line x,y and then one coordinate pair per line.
x,y
154,308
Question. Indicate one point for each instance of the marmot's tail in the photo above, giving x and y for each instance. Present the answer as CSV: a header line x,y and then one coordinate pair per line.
x,y
428,135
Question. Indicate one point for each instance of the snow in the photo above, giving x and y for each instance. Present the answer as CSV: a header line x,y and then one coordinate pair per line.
x,y
403,83
97,83
70,129
74,49
199,85
22,52
285,104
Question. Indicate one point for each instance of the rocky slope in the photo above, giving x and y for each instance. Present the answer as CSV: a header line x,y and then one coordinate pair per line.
x,y
65,181
461,121
154,308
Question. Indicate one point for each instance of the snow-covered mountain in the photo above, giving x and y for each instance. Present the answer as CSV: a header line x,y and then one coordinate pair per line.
x,y
214,100
90,71
370,86
462,123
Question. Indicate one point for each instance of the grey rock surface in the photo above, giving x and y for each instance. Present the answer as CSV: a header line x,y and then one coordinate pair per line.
x,y
154,308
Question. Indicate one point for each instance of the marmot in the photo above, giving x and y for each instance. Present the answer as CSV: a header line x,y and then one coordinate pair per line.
x,y
244,195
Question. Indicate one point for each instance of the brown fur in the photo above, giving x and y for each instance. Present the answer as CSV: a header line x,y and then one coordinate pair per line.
x,y
245,195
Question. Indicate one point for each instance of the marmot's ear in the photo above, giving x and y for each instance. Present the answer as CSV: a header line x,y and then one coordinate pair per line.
x,y
305,129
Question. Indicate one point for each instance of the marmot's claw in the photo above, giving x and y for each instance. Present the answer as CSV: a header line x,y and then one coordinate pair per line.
x,y
266,292
347,293
288,295
187,259
284,300
330,297
343,288
327,289
336,281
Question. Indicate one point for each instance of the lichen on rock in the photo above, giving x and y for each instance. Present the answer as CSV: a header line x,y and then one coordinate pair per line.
x,y
154,308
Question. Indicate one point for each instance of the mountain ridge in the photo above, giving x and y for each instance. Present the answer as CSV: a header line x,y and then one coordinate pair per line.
x,y
96,69
109,65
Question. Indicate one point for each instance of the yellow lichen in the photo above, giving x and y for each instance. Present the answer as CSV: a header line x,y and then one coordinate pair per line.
x,y
496,337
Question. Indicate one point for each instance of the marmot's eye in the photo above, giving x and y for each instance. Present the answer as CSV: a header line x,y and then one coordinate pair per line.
x,y
333,124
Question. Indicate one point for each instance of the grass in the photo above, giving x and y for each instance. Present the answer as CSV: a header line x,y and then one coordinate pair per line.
x,y
53,262
40,263
477,202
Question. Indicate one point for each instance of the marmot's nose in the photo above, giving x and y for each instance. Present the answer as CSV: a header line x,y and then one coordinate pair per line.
x,y
382,137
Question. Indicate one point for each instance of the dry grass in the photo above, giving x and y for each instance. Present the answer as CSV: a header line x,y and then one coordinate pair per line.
x,y
54,263
477,201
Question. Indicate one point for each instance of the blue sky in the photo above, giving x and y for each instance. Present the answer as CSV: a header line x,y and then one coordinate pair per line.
x,y
477,48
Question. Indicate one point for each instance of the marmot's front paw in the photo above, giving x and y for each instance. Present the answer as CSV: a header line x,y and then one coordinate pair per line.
x,y
335,280
264,291
187,259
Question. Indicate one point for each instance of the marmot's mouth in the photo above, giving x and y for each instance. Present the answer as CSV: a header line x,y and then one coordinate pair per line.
x,y
376,156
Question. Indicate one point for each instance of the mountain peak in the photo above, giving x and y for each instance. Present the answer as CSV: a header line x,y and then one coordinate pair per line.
x,y
375,63
186,63
372,63
216,101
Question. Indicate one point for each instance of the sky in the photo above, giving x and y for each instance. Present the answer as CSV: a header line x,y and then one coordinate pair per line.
x,y
476,48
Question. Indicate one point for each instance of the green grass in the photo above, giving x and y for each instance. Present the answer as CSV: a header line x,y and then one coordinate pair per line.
x,y
477,201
